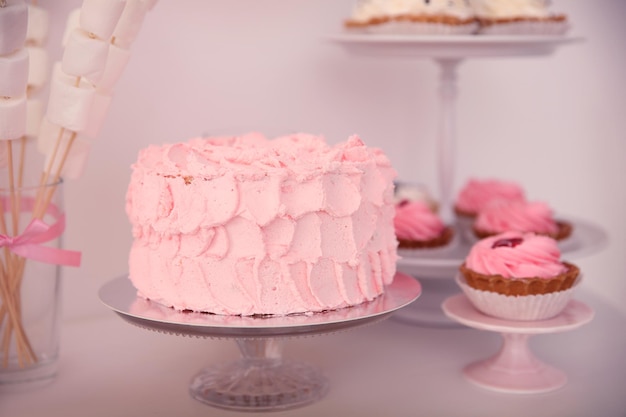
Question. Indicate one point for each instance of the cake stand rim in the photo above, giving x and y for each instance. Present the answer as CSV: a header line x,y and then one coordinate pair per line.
x,y
119,294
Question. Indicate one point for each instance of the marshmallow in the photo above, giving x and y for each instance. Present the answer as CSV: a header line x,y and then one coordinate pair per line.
x,y
130,23
73,22
75,161
4,155
100,17
69,104
38,25
13,26
97,115
48,135
37,68
14,74
34,115
116,62
84,56
150,4
12,117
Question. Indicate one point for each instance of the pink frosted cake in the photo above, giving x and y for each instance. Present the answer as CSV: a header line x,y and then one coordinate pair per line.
x,y
418,227
518,276
246,225
536,217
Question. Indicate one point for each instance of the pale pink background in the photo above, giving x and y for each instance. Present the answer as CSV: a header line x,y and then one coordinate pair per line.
x,y
555,124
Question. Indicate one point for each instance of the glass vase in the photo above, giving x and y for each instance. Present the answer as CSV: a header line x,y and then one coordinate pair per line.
x,y
31,230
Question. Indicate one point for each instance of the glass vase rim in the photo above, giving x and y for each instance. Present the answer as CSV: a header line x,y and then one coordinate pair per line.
x,y
30,187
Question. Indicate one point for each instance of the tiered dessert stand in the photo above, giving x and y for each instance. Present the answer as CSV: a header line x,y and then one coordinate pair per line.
x,y
261,380
437,269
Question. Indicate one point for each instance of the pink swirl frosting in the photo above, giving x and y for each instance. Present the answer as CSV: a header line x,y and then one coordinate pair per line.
x,y
522,216
415,221
516,255
476,194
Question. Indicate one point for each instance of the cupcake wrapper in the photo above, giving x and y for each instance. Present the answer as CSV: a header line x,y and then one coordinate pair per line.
x,y
526,28
420,28
520,308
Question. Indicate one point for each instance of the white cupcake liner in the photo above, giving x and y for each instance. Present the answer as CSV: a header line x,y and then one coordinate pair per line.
x,y
516,307
546,28
420,28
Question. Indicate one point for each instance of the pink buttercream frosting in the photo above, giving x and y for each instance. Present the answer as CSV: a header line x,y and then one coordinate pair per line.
x,y
476,194
502,216
416,221
516,255
246,225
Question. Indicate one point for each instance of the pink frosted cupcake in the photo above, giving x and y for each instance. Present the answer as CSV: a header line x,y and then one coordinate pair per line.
x,y
477,194
536,217
418,227
518,276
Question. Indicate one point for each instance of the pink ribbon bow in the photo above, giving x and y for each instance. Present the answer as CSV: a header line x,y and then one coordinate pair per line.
x,y
28,244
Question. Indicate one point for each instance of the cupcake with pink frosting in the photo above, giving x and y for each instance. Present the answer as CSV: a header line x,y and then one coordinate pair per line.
x,y
477,194
536,217
518,276
417,226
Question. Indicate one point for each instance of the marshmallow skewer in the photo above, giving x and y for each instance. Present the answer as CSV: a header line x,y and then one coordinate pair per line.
x,y
13,85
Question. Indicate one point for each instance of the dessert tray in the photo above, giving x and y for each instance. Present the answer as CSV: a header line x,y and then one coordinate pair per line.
x,y
446,46
261,380
515,369
587,238
436,270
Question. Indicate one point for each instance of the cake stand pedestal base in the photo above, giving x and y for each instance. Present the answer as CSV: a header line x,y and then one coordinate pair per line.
x,y
260,381
515,369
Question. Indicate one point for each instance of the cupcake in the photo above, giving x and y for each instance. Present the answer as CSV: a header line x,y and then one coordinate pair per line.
x,y
477,194
414,192
518,17
410,17
536,217
518,276
418,227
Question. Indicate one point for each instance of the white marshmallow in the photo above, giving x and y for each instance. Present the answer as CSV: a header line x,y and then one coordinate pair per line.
x,y
4,155
48,135
37,68
74,164
13,26
69,104
14,74
12,117
150,4
116,62
130,23
34,115
84,56
97,115
38,25
101,16
73,22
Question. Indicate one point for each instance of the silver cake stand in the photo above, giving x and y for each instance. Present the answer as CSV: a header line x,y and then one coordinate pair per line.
x,y
261,380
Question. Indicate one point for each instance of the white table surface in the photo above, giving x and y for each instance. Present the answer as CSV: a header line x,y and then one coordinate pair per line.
x,y
111,368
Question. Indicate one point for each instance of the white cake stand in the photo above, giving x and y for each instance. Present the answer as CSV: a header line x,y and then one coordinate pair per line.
x,y
448,52
261,380
514,369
